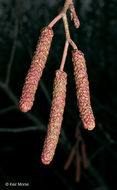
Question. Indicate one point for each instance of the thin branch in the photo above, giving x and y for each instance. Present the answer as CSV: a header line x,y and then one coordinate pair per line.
x,y
8,109
22,129
45,91
64,55
11,95
65,21
66,6
72,44
99,150
12,52
55,20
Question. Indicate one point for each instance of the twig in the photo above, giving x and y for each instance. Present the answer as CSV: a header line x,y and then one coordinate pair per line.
x,y
64,55
66,6
11,95
45,91
66,27
22,129
72,44
5,110
55,20
12,52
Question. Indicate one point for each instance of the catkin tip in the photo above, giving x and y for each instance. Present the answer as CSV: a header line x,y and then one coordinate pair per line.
x,y
91,127
24,108
45,162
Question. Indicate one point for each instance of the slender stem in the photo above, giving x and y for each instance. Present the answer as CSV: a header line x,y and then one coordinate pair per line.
x,y
8,109
72,44
66,6
64,10
56,19
12,53
64,55
66,27
65,21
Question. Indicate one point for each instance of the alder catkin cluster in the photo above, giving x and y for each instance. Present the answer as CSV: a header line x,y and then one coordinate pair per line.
x,y
36,69
56,116
59,93
82,89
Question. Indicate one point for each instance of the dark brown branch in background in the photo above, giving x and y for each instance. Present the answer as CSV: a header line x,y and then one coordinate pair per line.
x,y
12,51
63,138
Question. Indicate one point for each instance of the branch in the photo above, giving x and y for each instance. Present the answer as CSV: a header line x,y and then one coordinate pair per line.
x,y
12,52
64,55
11,95
22,129
8,109
55,20
99,150
68,4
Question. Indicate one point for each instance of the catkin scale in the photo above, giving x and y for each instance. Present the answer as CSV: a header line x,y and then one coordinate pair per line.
x,y
82,89
56,117
35,71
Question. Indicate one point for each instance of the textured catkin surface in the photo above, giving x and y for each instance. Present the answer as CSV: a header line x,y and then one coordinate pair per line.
x,y
36,69
82,89
56,117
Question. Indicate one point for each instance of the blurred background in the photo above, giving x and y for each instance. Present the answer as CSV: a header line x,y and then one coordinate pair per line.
x,y
22,134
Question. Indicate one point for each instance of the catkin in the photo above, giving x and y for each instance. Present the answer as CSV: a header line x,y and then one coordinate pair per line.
x,y
36,69
77,167
74,16
84,155
56,117
82,89
70,158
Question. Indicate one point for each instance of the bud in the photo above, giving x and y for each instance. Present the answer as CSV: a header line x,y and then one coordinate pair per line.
x,y
56,117
36,69
82,89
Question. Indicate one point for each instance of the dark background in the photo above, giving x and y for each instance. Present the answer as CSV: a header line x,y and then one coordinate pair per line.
x,y
22,135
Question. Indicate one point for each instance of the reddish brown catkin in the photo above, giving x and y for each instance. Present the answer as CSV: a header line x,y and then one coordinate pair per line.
x,y
82,90
70,158
36,69
74,16
77,167
56,117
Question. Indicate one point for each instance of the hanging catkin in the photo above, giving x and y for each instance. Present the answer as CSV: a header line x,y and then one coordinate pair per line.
x,y
56,117
77,167
82,89
36,69
84,155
